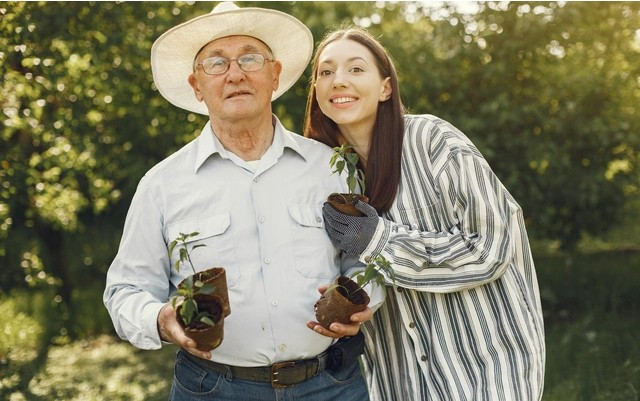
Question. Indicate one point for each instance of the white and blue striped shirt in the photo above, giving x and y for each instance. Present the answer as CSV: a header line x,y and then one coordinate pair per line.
x,y
463,320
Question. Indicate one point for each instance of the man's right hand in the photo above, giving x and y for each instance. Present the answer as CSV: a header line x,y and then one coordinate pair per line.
x,y
171,331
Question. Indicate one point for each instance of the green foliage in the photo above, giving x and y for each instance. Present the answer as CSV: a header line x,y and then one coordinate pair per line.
x,y
20,334
375,270
184,250
102,369
548,91
596,358
191,285
343,157
591,307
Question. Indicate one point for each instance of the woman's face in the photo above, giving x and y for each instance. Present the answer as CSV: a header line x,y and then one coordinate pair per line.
x,y
349,86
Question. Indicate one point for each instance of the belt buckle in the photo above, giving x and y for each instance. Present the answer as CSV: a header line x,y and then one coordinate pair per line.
x,y
275,372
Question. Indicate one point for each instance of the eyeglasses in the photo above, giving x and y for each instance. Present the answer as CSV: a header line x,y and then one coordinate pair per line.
x,y
247,62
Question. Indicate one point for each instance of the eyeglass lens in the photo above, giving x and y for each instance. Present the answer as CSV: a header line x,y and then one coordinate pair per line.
x,y
219,65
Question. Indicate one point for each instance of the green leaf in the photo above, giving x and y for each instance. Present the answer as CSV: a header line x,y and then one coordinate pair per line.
x,y
207,320
189,308
171,246
207,289
183,254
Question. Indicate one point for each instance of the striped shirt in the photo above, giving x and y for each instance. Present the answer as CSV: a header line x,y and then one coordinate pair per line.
x,y
463,320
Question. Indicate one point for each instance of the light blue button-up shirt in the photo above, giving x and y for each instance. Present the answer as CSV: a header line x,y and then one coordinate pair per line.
x,y
262,223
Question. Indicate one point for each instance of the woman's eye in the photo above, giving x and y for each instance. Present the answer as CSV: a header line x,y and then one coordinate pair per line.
x,y
325,73
356,69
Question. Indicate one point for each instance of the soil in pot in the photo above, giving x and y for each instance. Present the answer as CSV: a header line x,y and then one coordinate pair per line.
x,y
206,337
345,203
340,301
217,277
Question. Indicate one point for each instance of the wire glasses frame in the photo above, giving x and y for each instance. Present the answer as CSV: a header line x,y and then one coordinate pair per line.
x,y
217,65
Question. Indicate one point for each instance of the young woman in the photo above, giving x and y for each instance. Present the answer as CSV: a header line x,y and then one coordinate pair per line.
x,y
462,321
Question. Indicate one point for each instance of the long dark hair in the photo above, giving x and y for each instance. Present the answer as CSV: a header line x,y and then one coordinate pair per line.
x,y
382,172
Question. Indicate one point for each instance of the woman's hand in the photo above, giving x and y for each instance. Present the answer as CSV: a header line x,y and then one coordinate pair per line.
x,y
339,330
350,233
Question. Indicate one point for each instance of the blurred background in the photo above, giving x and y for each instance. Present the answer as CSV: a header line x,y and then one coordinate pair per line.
x,y
547,91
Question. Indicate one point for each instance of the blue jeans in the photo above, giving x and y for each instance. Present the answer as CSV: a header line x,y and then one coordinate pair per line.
x,y
194,382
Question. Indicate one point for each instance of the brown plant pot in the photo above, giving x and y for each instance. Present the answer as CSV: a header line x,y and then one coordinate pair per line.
x,y
217,277
340,301
345,203
206,337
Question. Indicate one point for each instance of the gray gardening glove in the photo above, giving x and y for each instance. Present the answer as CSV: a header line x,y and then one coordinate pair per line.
x,y
349,233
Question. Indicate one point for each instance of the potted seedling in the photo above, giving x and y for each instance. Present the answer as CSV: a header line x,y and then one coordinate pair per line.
x,y
346,297
345,159
202,300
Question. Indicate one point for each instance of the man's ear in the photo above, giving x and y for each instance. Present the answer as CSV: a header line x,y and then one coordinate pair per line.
x,y
385,93
193,81
277,69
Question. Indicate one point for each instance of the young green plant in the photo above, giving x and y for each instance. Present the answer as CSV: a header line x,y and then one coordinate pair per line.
x,y
191,286
373,272
345,158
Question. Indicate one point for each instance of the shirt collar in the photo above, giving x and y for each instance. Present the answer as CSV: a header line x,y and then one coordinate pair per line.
x,y
209,144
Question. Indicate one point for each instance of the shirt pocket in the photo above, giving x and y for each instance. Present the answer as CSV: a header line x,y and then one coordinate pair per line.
x,y
314,254
218,249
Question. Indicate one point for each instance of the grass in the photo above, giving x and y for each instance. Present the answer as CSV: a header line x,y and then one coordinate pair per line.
x,y
103,369
592,318
593,359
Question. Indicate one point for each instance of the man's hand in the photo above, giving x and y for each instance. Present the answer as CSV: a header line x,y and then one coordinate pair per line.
x,y
171,331
339,330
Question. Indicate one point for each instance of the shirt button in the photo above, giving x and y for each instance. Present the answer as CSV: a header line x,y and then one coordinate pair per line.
x,y
261,219
423,358
267,260
255,179
319,219
282,347
400,289
412,325
274,303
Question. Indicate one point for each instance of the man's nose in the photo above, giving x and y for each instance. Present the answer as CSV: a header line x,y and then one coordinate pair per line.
x,y
234,72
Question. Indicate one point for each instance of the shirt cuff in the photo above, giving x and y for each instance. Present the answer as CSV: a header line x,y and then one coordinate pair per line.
x,y
150,326
378,241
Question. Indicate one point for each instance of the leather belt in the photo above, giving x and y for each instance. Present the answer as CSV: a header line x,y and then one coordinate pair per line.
x,y
280,374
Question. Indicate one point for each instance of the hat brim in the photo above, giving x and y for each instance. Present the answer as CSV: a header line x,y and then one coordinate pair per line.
x,y
172,54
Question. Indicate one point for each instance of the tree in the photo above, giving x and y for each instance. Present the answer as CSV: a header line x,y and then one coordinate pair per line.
x,y
548,93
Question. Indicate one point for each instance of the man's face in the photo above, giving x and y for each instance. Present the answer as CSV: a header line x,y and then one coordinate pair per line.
x,y
236,94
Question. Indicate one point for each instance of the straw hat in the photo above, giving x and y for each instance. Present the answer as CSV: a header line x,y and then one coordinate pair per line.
x,y
173,53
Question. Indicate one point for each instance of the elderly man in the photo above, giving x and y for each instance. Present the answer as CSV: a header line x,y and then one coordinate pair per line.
x,y
254,193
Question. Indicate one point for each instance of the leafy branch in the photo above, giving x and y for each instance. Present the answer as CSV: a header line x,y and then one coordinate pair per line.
x,y
373,271
192,285
344,157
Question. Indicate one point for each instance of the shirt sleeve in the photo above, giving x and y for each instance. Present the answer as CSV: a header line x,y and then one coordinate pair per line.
x,y
476,249
138,279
